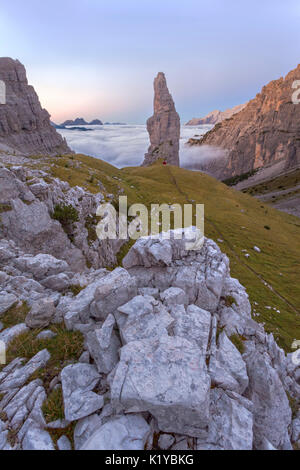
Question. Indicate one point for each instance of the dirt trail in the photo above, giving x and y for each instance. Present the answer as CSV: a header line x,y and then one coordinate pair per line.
x,y
235,254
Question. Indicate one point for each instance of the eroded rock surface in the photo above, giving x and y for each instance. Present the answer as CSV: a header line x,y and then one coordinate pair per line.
x,y
161,366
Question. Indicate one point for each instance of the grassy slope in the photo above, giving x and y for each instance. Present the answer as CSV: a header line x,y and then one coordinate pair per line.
x,y
237,218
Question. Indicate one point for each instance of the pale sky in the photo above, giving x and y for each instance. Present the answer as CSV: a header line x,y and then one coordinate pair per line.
x,y
98,59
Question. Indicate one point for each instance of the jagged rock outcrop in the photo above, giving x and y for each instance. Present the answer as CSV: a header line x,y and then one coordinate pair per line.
x,y
24,125
265,132
168,364
216,116
27,201
163,126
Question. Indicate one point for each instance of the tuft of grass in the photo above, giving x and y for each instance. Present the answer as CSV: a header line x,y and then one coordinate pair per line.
x,y
66,346
3,415
237,340
53,406
15,315
90,224
294,405
12,436
76,288
123,251
229,301
219,331
5,208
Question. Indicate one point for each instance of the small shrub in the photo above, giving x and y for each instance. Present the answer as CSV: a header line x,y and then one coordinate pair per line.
x,y
76,289
294,405
238,342
90,224
238,178
66,214
267,227
229,301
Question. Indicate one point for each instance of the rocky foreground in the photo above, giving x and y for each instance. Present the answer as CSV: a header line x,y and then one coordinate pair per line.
x,y
171,359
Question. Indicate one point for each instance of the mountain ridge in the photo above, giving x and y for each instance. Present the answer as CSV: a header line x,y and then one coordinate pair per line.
x,y
266,131
216,116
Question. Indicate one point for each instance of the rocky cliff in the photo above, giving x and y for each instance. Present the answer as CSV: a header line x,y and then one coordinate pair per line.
x,y
24,125
216,116
265,132
163,126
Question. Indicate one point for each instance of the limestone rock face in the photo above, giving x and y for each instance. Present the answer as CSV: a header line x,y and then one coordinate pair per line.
x,y
265,132
128,432
163,126
24,125
142,382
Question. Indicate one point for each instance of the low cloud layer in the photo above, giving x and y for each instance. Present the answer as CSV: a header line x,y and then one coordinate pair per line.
x,y
194,157
126,145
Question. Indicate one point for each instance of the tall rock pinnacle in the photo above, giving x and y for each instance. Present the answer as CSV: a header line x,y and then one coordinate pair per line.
x,y
163,126
24,125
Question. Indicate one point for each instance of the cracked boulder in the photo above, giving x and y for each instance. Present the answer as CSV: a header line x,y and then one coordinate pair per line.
x,y
127,432
143,317
167,377
272,413
230,426
227,368
41,313
113,290
103,345
78,382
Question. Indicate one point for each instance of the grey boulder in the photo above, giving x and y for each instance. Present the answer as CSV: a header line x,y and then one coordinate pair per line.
x,y
103,345
128,432
227,368
114,290
78,381
41,313
6,301
143,317
167,377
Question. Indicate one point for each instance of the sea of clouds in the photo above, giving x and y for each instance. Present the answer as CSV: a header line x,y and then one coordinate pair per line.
x,y
125,145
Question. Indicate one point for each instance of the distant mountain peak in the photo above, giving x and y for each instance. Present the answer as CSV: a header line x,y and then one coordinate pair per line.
x,y
216,116
81,122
